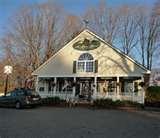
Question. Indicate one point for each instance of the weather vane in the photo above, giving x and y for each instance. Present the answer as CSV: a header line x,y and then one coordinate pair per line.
x,y
86,22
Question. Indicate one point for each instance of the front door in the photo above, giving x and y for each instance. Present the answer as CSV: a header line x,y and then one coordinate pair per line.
x,y
85,88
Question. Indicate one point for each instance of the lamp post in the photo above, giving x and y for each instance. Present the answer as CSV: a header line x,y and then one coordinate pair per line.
x,y
7,70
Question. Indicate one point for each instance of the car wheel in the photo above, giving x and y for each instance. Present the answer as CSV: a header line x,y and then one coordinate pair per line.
x,y
18,105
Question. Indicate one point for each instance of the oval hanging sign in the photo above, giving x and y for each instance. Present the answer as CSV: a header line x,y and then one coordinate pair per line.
x,y
86,44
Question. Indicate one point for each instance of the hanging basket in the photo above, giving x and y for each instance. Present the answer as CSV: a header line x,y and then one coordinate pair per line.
x,y
142,84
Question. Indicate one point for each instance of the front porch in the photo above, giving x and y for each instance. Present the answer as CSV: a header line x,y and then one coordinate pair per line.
x,y
116,88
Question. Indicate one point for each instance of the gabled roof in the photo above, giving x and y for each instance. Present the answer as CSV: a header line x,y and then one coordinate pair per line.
x,y
93,34
118,51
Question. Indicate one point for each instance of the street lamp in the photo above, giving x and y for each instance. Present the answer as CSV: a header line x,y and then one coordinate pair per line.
x,y
7,70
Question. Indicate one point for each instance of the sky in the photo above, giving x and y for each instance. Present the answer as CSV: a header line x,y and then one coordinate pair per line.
x,y
9,7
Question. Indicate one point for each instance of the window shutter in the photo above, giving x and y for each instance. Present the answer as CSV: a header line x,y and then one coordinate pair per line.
x,y
96,66
74,66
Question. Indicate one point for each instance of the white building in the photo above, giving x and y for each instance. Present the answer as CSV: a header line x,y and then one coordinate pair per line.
x,y
88,67
155,77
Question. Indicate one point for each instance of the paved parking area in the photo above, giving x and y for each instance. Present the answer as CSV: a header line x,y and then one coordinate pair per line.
x,y
46,122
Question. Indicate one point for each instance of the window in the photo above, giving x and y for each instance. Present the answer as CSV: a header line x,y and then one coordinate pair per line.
x,y
64,85
85,63
13,94
81,66
20,93
89,66
41,89
86,56
128,86
112,86
107,85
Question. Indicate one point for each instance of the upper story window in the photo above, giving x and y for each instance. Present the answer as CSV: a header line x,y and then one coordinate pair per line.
x,y
85,63
86,56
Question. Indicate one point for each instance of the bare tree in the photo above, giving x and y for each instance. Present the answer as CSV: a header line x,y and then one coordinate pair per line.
x,y
27,31
104,20
52,28
35,31
32,37
148,33
128,29
35,34
152,37
71,27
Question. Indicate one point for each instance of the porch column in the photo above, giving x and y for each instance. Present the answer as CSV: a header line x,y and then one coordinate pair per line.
x,y
74,88
95,87
118,89
142,91
55,86
46,86
36,83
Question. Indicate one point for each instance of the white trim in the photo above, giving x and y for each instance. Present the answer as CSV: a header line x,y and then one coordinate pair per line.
x,y
74,88
55,87
37,81
118,86
87,75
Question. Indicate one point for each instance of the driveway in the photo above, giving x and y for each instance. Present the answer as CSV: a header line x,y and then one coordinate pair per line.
x,y
46,122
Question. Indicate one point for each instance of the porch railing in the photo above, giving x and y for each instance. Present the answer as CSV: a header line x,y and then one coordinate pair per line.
x,y
132,96
62,94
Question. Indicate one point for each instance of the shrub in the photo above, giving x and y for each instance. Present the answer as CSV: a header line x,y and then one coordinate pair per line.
x,y
103,103
118,103
153,96
109,103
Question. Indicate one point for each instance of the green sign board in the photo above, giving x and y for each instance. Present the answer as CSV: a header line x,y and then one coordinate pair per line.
x,y
86,44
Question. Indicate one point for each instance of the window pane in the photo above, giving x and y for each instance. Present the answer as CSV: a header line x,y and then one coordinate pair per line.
x,y
128,86
81,66
85,66
41,89
89,66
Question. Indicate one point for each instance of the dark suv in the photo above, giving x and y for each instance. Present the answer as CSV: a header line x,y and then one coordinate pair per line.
x,y
19,98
